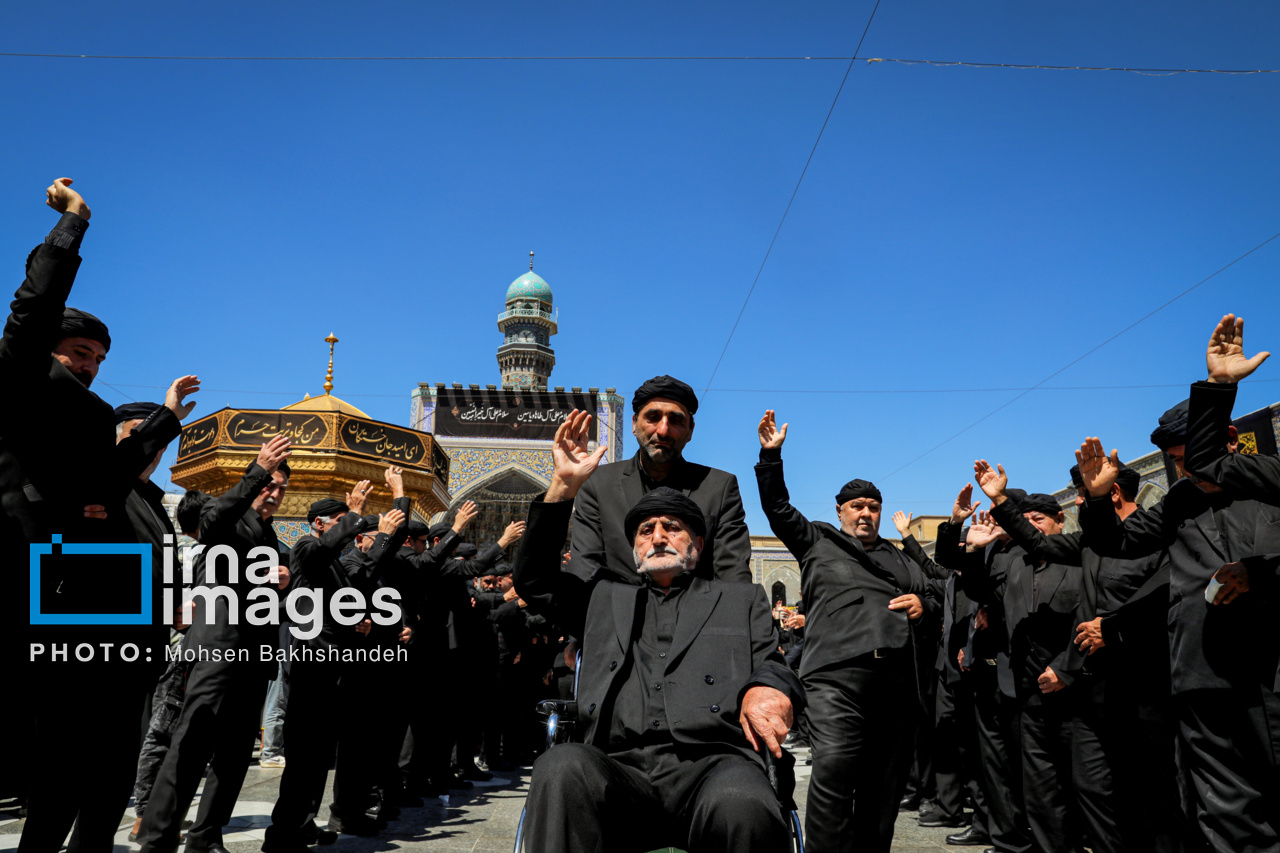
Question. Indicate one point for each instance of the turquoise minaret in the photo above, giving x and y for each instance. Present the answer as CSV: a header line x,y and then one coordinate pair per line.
x,y
526,358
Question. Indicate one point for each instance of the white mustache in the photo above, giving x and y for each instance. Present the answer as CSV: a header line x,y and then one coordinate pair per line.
x,y
270,501
662,549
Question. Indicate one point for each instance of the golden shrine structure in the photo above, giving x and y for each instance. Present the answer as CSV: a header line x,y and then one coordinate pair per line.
x,y
335,446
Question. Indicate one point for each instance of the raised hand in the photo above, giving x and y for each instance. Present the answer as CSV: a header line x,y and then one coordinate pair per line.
x,y
512,534
1225,355
389,522
179,390
964,505
992,481
982,532
62,198
572,460
357,497
902,521
464,516
395,481
771,437
1097,470
273,453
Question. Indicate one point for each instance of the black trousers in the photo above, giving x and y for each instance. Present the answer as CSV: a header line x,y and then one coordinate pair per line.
x,y
219,720
862,720
1141,739
1000,766
1231,746
324,716
1066,779
78,778
955,754
583,800
920,779
428,734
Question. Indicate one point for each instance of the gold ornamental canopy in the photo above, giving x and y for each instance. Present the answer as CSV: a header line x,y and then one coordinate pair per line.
x,y
335,445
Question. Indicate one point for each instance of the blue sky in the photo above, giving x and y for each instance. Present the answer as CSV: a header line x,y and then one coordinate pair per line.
x,y
958,228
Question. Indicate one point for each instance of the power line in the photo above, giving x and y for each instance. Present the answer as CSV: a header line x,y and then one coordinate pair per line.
x,y
945,63
1080,358
791,201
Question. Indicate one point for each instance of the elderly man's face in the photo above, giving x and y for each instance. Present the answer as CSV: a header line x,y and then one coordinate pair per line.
x,y
860,518
662,429
324,523
665,544
1046,524
82,356
268,500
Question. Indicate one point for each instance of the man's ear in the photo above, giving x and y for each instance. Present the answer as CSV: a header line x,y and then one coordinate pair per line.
x,y
699,542
1233,438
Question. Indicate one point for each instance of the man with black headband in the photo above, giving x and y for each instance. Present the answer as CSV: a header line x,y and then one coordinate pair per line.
x,y
1223,643
681,682
62,473
224,692
329,699
1116,708
862,600
662,421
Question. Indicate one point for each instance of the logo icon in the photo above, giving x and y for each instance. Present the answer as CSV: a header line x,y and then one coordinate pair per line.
x,y
56,549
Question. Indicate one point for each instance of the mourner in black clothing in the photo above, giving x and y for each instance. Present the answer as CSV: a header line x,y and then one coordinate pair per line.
x,y
1124,689
62,473
328,698
859,667
227,681
681,681
662,422
1223,644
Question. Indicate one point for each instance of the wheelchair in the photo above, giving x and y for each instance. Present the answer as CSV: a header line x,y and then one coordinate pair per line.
x,y
562,716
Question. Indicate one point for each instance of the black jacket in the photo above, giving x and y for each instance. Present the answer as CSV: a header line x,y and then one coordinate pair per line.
x,y
846,594
58,454
600,540
724,641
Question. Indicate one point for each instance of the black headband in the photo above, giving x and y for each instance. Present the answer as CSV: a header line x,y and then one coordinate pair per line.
x,y
135,411
668,388
82,324
1172,430
326,507
857,489
665,501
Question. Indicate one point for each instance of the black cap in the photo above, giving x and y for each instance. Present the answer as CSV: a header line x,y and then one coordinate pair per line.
x,y
326,507
417,529
466,549
858,489
665,501
82,324
1040,502
439,529
135,411
668,388
1172,430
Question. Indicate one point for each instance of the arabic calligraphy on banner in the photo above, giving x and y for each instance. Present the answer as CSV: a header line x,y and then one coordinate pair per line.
x,y
508,414
253,428
198,436
385,442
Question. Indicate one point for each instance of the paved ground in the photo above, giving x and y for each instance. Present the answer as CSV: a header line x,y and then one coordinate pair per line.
x,y
481,819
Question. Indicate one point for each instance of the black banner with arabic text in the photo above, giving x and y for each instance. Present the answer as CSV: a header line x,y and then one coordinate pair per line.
x,y
508,414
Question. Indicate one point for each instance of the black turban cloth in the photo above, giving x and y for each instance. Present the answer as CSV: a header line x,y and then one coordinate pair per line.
x,y
417,530
501,569
135,411
371,523
1017,497
665,501
1129,481
668,388
466,549
1039,502
1076,479
326,507
438,530
1172,430
858,489
82,324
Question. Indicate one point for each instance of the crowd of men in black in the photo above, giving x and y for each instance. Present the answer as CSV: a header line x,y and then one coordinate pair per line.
x,y
1112,688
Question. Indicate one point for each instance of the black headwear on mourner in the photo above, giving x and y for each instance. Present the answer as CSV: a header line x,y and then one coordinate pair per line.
x,y
326,507
1040,502
82,324
465,550
665,501
371,523
668,388
858,489
135,411
1172,430
1017,496
437,530
417,530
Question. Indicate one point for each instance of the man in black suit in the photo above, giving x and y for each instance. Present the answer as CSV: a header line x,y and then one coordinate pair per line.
x,y
862,597
62,473
1223,643
227,681
666,666
662,421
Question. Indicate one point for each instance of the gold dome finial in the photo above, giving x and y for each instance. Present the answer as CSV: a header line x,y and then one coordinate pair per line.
x,y
531,262
328,377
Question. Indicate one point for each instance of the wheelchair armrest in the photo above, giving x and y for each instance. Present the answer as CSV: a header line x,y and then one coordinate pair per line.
x,y
565,709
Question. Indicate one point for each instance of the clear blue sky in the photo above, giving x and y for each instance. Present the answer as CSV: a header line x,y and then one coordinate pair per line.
x,y
958,229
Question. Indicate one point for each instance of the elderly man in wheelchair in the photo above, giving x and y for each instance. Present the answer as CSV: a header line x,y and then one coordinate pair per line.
x,y
681,686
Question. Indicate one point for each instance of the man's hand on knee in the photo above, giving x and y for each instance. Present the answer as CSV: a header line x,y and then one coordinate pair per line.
x,y
766,716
